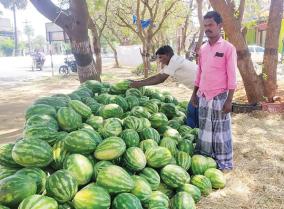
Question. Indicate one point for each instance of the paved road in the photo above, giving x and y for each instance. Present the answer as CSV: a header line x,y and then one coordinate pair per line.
x,y
15,70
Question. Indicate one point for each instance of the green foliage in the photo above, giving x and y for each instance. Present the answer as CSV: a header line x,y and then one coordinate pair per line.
x,y
6,47
139,70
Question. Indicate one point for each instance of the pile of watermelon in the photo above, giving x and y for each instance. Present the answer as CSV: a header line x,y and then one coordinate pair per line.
x,y
106,146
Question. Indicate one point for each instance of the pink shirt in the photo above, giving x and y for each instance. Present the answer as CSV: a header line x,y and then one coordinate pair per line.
x,y
216,69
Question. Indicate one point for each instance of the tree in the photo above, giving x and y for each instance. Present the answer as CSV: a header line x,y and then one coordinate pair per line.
x,y
38,42
14,5
74,21
29,31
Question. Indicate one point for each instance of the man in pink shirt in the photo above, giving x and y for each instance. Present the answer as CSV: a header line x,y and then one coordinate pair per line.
x,y
215,84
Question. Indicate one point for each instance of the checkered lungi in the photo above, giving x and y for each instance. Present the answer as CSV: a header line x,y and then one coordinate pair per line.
x,y
215,137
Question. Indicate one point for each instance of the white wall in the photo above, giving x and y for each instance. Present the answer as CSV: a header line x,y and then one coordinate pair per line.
x,y
129,55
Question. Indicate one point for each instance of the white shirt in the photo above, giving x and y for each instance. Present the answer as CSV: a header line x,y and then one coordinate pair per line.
x,y
182,70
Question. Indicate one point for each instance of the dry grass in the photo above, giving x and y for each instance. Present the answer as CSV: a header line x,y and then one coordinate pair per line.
x,y
257,182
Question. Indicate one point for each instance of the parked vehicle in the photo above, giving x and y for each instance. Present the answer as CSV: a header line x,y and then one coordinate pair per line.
x,y
38,60
257,54
70,65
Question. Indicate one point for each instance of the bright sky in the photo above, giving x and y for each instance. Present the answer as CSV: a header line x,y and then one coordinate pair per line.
x,y
31,15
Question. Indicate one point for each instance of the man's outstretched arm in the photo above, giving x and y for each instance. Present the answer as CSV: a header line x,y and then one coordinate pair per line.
x,y
153,80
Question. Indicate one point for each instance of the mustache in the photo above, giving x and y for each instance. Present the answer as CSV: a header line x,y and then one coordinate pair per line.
x,y
208,31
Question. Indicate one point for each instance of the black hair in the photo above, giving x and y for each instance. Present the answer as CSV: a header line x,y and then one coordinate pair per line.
x,y
165,50
215,15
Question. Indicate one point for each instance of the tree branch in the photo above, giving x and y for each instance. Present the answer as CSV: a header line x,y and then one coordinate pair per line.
x,y
241,10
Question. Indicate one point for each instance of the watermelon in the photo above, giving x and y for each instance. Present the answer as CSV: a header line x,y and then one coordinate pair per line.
x,y
111,111
183,160
174,176
74,96
182,200
68,119
169,109
93,134
92,197
169,143
41,132
100,165
172,133
95,121
144,123
80,167
42,120
158,200
158,120
186,146
192,190
14,189
56,102
103,98
132,101
7,171
175,124
6,156
203,183
133,92
130,137
115,179
37,202
32,153
121,101
152,177
132,122
93,85
120,87
59,154
184,129
93,105
198,164
142,188
134,159
40,109
126,201
216,178
110,148
150,133
211,163
3,207
82,109
151,107
37,174
143,100
166,190
158,157
80,142
111,127
159,96
140,112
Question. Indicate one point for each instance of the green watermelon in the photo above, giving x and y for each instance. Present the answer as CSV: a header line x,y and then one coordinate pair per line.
x,y
143,100
158,157
42,120
40,109
32,153
38,202
174,176
186,146
216,178
151,107
95,121
142,188
194,191
121,101
110,148
41,132
130,137
93,134
120,87
133,92
182,200
147,144
172,133
68,119
158,200
104,98
150,133
132,101
115,179
111,111
59,154
175,124
14,189
80,167
74,96
100,165
111,127
134,159
169,143
126,201
166,190
80,142
158,120
152,177
94,86
6,156
184,129
203,183
144,123
132,122
56,102
82,109
198,164
92,104
7,171
183,160
140,112
37,174
169,109
211,163
159,96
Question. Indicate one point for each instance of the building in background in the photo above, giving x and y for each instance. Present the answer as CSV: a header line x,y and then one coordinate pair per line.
x,y
6,29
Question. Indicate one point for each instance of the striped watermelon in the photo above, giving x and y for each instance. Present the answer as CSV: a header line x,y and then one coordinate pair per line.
x,y
151,107
80,167
37,174
183,160
173,133
126,201
56,102
211,163
6,156
111,127
110,148
194,191
95,121
169,109
140,112
158,200
159,96
186,146
166,190
7,171
143,100
216,178
100,165
158,120
115,179
32,153
142,188
3,207
15,188
42,120
120,87
80,142
92,104
148,143
158,157
111,111
119,100
182,200
82,109
174,124
133,92
203,183
62,186
132,122
41,132
59,154
104,98
174,176
92,197
93,85
132,101
93,134
150,133
130,137
169,143
134,159
68,119
40,109
152,177
38,202
198,164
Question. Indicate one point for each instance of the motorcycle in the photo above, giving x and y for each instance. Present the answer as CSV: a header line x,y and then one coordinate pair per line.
x,y
38,62
70,65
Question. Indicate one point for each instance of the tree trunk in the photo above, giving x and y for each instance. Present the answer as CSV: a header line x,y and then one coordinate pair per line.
x,y
97,50
252,82
76,27
15,29
178,41
201,29
270,61
114,52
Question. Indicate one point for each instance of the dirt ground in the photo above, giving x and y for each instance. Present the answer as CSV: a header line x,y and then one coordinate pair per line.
x,y
257,182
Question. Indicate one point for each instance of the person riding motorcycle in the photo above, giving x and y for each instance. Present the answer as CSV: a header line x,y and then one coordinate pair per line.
x,y
38,60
